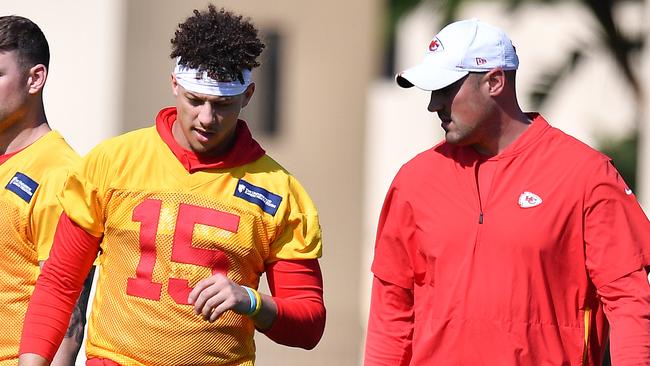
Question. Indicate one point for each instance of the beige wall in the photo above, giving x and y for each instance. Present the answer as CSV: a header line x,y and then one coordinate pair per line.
x,y
84,76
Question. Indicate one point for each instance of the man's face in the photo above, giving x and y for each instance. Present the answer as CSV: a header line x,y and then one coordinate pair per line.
x,y
206,124
463,107
14,89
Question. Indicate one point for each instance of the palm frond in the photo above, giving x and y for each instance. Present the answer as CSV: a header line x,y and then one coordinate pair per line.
x,y
549,80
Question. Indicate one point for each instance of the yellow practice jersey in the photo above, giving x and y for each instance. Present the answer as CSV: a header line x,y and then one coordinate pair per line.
x,y
164,229
31,180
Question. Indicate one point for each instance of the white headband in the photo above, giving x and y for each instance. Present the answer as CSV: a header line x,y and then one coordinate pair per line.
x,y
199,81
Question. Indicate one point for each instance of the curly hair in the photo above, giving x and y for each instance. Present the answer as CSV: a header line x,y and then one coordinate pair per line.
x,y
23,36
219,42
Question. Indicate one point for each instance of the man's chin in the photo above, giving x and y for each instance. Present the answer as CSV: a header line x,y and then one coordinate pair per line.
x,y
451,139
207,151
455,140
198,149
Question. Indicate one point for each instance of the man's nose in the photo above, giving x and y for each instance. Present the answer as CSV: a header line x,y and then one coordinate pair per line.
x,y
206,114
436,103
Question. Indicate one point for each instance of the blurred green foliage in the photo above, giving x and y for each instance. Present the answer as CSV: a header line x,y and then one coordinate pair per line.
x,y
623,152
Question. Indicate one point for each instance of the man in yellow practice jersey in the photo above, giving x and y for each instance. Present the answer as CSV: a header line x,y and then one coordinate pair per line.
x,y
188,214
33,167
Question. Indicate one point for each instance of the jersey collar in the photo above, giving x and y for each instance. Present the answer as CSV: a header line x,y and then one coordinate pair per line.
x,y
6,157
531,135
48,135
245,149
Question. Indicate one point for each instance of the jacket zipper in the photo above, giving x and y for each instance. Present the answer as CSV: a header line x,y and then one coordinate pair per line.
x,y
478,194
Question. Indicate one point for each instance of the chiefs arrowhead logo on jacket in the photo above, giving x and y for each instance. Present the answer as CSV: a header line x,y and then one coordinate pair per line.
x,y
528,200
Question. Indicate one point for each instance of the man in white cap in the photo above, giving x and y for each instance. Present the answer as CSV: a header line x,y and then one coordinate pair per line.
x,y
188,214
509,243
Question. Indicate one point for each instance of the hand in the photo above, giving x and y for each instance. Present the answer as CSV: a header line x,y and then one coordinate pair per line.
x,y
214,295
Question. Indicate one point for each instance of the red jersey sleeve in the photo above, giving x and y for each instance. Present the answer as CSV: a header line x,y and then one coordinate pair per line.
x,y
297,288
390,325
58,288
627,306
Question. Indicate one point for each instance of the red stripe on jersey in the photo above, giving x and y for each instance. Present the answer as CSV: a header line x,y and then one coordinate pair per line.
x,y
96,361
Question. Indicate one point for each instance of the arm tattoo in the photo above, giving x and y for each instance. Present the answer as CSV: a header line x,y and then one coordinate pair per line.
x,y
78,318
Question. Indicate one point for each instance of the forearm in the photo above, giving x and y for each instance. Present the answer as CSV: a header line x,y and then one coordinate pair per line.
x,y
72,341
627,306
32,359
66,355
390,325
296,302
297,289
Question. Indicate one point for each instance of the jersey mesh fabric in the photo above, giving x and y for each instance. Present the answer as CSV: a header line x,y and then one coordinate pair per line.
x,y
26,230
164,230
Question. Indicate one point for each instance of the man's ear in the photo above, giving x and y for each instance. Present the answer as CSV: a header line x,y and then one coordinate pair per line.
x,y
174,85
496,79
248,94
36,78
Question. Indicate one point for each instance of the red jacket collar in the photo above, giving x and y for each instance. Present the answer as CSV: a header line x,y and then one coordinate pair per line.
x,y
533,133
467,156
244,150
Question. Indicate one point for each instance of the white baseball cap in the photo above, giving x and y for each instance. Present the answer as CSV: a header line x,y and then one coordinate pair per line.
x,y
458,49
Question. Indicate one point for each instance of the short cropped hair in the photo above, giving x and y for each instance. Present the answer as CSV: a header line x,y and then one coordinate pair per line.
x,y
219,42
23,36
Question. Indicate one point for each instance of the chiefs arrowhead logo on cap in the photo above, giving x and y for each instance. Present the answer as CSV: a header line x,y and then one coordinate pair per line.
x,y
434,45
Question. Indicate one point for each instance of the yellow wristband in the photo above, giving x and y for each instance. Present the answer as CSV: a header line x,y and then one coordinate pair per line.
x,y
258,303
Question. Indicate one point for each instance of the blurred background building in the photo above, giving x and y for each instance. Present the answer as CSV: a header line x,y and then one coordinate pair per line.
x,y
327,109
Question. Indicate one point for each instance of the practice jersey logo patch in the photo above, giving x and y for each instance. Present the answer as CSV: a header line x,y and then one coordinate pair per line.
x,y
528,200
268,201
23,186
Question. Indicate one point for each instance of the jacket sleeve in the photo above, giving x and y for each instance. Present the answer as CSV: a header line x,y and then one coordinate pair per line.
x,y
395,257
627,306
616,230
395,264
390,325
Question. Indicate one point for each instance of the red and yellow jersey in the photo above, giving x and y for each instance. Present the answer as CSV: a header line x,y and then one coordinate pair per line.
x,y
165,228
30,179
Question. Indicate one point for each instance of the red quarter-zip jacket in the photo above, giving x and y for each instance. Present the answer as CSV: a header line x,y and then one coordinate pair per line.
x,y
513,276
